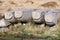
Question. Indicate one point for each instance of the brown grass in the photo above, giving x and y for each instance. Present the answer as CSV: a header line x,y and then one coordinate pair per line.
x,y
49,4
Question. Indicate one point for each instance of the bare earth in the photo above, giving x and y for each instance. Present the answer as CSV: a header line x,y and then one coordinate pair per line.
x,y
11,4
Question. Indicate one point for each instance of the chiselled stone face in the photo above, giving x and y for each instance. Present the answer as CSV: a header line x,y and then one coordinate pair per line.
x,y
4,23
18,14
9,16
36,15
27,14
51,17
23,14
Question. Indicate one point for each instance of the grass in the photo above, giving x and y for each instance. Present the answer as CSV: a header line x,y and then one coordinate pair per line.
x,y
32,30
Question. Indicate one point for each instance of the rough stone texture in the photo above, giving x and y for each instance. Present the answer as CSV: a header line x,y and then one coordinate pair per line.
x,y
25,12
37,16
4,23
18,14
9,16
51,17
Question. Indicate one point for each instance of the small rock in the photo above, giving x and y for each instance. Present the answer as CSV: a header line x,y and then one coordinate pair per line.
x,y
18,14
23,14
4,23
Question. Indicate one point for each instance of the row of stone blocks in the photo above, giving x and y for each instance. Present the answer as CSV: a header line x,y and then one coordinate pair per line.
x,y
47,16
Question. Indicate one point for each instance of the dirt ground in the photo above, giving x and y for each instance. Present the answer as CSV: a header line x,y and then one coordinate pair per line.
x,y
34,4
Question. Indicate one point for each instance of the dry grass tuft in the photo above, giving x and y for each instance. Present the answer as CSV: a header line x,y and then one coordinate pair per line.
x,y
49,4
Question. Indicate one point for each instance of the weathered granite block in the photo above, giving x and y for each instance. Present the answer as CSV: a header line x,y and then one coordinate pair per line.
x,y
9,16
4,23
38,15
23,14
51,17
